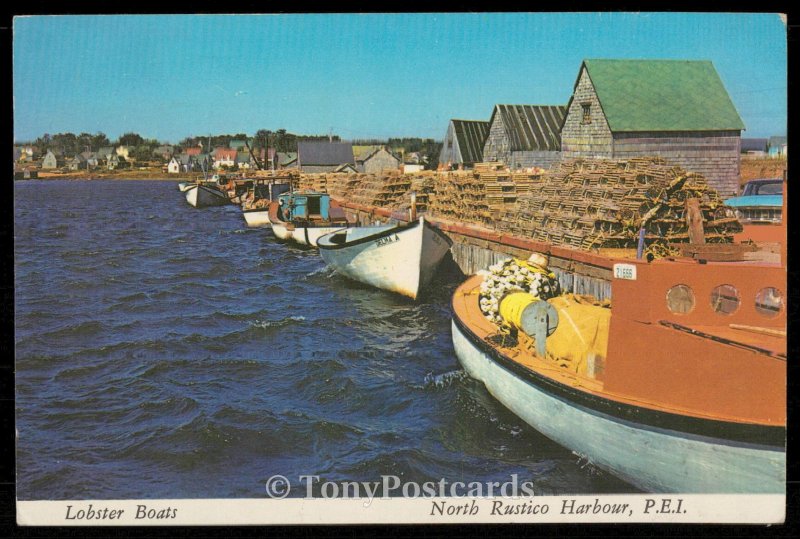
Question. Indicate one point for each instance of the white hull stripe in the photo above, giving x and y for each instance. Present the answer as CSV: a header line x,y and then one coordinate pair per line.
x,y
653,459
720,431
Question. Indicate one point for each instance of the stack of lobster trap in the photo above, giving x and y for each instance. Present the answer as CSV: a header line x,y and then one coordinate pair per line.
x,y
313,182
341,185
481,196
422,185
460,196
385,191
590,204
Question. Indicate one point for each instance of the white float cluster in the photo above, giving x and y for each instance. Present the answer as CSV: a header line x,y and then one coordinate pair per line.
x,y
508,276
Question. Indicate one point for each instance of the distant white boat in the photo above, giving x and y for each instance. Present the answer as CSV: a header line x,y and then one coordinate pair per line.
x,y
304,217
256,216
399,258
200,196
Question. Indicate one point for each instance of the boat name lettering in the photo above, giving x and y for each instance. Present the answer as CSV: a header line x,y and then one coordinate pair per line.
x,y
625,271
388,239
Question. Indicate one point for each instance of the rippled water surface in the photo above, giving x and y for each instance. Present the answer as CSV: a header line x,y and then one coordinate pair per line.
x,y
168,352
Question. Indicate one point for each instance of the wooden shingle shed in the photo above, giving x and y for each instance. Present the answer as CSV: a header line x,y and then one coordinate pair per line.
x,y
523,136
315,156
676,109
463,143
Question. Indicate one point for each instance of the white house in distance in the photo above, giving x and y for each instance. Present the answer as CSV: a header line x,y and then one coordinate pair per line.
x,y
224,157
174,166
124,151
52,160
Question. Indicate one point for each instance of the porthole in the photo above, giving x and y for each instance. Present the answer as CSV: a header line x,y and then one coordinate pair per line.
x,y
680,299
725,299
769,302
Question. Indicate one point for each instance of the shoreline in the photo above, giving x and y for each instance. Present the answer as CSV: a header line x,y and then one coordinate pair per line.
x,y
128,175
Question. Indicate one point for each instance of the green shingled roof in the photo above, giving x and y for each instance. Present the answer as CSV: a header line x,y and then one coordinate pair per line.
x,y
662,95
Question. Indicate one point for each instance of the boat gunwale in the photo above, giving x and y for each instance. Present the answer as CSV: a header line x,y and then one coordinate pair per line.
x,y
213,191
772,437
400,227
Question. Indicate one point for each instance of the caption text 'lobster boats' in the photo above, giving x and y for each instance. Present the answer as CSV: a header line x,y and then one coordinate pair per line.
x,y
304,217
399,258
683,395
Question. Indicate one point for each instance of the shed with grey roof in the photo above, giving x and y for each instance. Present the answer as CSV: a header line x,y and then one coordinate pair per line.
x,y
757,145
523,136
380,160
463,143
323,156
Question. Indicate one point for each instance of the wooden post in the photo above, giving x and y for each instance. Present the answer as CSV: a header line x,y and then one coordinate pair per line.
x,y
694,218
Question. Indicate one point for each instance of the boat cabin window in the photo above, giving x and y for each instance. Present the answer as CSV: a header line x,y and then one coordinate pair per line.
x,y
769,302
680,299
313,206
725,299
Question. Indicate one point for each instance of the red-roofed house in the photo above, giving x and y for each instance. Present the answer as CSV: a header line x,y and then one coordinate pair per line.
x,y
224,157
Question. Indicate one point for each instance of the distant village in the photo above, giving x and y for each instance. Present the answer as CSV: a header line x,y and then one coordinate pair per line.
x,y
619,109
236,155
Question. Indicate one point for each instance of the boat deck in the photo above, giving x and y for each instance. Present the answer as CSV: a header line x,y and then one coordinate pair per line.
x,y
730,341
751,337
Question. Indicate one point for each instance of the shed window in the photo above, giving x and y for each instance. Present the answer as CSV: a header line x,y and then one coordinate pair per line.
x,y
449,144
587,113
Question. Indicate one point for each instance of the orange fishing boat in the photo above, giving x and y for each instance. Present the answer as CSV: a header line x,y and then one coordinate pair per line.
x,y
678,386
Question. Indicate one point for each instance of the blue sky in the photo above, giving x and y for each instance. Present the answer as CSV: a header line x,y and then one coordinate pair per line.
x,y
361,76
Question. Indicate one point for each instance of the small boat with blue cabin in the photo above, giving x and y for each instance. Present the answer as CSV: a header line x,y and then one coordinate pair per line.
x,y
305,216
255,207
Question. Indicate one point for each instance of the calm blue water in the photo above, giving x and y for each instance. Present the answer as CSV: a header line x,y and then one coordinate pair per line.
x,y
167,352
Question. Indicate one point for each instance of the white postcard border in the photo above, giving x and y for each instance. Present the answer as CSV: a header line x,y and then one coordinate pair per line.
x,y
627,508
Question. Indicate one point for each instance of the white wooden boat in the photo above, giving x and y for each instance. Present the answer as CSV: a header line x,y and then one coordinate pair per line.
x,y
201,196
256,217
670,408
255,204
185,186
304,217
399,258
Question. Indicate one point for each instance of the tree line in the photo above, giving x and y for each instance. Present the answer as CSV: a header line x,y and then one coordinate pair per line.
x,y
70,144
142,148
